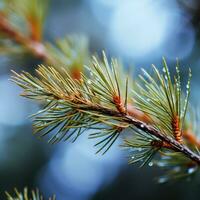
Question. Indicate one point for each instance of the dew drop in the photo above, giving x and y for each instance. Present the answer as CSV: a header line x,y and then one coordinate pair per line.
x,y
187,86
91,73
178,87
161,164
132,157
192,156
89,81
142,125
148,100
139,149
144,73
164,70
191,170
162,180
181,148
165,77
150,164
185,100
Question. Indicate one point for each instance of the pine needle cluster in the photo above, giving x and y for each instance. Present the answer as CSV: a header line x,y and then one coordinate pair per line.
x,y
101,101
26,195
151,114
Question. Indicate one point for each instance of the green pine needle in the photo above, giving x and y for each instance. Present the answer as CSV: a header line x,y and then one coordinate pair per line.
x,y
25,195
99,102
70,52
140,146
72,106
160,98
20,12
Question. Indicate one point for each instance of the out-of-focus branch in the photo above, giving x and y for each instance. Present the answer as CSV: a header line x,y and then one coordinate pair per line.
x,y
36,48
32,44
191,138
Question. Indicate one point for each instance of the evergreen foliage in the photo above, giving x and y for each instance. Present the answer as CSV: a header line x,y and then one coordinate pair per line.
x,y
79,92
100,102
26,195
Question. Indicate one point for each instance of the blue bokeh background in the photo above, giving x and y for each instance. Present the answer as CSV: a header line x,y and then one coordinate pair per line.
x,y
139,32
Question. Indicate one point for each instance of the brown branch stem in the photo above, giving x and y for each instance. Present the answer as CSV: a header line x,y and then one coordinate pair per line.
x,y
34,47
176,146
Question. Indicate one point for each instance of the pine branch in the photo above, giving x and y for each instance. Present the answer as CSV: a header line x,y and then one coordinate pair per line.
x,y
34,47
154,111
98,103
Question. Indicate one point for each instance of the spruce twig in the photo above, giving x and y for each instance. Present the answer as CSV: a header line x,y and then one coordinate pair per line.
x,y
75,106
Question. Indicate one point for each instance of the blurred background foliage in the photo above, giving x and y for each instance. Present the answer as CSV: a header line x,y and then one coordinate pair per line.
x,y
139,33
